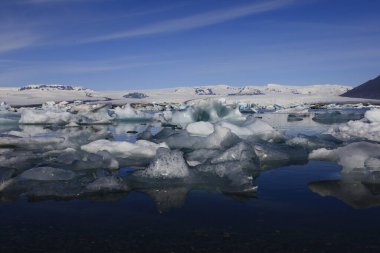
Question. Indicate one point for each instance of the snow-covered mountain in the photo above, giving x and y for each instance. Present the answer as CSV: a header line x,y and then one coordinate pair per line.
x,y
53,87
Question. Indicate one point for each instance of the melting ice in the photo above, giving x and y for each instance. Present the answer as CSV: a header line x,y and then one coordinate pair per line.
x,y
75,150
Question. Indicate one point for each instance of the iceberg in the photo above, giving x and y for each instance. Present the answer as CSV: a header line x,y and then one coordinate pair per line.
x,y
167,164
34,116
240,152
366,129
63,114
252,127
221,138
337,117
142,149
373,115
314,142
353,156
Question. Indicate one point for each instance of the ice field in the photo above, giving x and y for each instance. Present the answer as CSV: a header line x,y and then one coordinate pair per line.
x,y
164,159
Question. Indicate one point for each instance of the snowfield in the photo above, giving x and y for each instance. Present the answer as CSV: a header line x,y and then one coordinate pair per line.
x,y
261,95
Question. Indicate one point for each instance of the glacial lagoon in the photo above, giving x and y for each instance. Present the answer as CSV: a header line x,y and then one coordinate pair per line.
x,y
269,193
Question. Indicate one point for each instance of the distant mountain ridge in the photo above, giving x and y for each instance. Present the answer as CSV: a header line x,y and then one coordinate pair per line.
x,y
53,87
369,89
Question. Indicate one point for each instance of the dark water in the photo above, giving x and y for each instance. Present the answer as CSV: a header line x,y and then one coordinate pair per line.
x,y
285,216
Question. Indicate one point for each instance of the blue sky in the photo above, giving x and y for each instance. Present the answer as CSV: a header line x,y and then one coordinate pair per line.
x,y
129,44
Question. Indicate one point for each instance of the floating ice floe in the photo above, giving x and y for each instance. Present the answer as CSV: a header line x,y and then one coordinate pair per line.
x,y
336,117
31,142
44,139
91,114
299,109
34,116
200,128
221,138
252,127
366,129
128,113
359,155
63,114
121,149
373,115
314,142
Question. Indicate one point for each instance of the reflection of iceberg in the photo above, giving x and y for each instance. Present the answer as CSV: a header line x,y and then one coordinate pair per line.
x,y
354,193
168,198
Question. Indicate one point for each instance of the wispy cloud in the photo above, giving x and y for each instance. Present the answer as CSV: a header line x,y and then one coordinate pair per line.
x,y
52,1
11,71
10,41
195,21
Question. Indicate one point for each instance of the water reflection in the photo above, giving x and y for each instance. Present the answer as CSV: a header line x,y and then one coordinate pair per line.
x,y
358,189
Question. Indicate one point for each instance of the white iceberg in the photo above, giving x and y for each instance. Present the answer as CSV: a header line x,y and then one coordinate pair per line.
x,y
126,112
200,128
167,164
33,116
63,114
122,149
252,127
373,115
366,129
353,156
221,138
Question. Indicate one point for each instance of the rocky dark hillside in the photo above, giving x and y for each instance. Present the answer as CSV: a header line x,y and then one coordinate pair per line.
x,y
370,89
